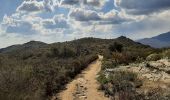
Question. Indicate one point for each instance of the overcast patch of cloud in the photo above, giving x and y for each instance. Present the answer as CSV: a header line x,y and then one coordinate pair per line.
x,y
145,28
31,6
38,6
112,17
80,14
12,25
143,7
70,2
32,25
84,3
115,17
42,21
58,21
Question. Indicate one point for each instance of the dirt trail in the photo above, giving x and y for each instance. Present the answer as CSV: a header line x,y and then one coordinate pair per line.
x,y
85,86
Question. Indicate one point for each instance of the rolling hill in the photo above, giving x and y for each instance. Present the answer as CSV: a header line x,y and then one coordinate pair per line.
x,y
25,46
160,41
36,70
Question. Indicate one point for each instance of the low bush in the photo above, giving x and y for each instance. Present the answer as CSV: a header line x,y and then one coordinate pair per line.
x,y
154,57
123,58
107,64
166,54
116,47
64,52
120,84
38,78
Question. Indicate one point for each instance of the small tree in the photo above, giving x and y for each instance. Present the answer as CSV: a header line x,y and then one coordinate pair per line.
x,y
67,52
55,52
116,47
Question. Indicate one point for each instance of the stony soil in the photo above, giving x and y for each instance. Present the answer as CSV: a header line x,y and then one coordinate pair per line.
x,y
85,86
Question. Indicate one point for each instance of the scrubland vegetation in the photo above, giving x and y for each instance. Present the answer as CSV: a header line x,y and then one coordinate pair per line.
x,y
120,84
157,56
124,85
36,71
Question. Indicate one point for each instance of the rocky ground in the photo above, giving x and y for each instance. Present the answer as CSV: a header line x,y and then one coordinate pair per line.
x,y
154,74
84,86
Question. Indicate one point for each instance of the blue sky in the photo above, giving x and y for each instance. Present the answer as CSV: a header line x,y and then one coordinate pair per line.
x,y
60,20
8,7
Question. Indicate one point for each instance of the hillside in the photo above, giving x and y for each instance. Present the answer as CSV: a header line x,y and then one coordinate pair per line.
x,y
159,41
26,46
41,70
88,45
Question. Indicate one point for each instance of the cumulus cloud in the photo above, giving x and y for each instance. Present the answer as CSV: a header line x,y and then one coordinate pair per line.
x,y
38,6
112,17
70,2
139,7
58,21
115,17
32,25
13,25
94,3
21,27
145,28
99,3
48,5
31,6
84,15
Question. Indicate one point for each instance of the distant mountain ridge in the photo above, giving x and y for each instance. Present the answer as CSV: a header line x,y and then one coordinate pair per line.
x,y
160,41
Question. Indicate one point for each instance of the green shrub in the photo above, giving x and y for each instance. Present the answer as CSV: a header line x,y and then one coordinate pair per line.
x,y
106,64
154,57
121,83
54,52
123,76
123,58
62,52
67,52
102,79
166,54
115,47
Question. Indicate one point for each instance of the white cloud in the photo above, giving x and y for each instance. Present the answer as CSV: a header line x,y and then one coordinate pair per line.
x,y
143,7
32,25
83,18
38,6
17,25
58,21
147,27
80,14
115,17
112,17
31,6
98,3
94,4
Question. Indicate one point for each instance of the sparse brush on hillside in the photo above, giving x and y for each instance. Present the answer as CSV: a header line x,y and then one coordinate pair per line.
x,y
35,70
166,53
106,64
154,57
38,74
123,85
120,85
159,55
